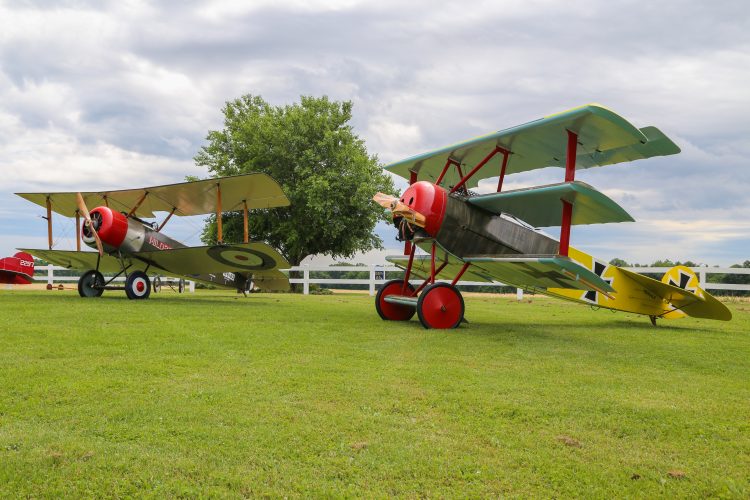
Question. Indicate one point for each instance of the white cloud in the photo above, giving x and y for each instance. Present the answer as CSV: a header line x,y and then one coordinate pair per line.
x,y
115,94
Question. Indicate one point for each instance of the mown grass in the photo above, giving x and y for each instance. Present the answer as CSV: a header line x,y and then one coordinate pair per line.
x,y
284,395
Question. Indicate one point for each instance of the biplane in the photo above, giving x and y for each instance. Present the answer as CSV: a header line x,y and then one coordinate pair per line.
x,y
17,270
495,236
128,245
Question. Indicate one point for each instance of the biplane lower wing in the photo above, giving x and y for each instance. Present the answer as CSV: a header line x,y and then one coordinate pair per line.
x,y
538,273
71,259
540,206
198,263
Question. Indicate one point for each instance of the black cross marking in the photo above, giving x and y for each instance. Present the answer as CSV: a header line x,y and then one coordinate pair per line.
x,y
599,269
684,280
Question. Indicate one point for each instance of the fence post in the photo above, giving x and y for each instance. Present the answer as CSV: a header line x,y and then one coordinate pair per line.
x,y
519,294
191,286
306,280
372,280
702,279
50,275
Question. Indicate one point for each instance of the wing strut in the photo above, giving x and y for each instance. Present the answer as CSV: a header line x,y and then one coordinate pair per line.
x,y
161,226
570,176
487,158
244,221
49,222
78,230
219,235
138,204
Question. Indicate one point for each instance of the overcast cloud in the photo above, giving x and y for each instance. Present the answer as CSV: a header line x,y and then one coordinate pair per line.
x,y
98,95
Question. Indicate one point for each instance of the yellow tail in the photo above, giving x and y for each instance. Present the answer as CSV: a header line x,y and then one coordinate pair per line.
x,y
677,295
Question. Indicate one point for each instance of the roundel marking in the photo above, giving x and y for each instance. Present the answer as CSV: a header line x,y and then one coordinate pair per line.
x,y
241,258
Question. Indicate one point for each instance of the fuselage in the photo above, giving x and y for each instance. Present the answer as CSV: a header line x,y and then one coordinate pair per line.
x,y
123,235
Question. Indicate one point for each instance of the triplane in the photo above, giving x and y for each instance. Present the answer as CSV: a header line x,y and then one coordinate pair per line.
x,y
494,237
130,246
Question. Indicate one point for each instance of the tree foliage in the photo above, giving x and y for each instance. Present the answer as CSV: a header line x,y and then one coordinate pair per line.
x,y
322,166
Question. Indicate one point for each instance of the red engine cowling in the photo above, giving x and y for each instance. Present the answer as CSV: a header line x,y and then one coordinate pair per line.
x,y
429,200
111,226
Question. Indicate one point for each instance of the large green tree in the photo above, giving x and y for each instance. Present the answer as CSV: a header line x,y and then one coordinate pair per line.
x,y
323,167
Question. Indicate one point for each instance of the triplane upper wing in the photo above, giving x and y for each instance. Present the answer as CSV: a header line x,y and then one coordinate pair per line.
x,y
604,138
257,190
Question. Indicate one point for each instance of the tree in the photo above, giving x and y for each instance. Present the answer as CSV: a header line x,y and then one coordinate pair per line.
x,y
619,262
323,167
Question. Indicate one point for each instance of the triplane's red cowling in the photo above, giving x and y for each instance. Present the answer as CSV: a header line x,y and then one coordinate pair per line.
x,y
112,228
429,200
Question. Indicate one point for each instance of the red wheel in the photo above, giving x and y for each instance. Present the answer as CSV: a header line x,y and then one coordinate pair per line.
x,y
394,312
440,306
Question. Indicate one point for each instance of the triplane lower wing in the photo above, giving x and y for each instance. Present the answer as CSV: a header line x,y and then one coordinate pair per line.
x,y
132,247
493,237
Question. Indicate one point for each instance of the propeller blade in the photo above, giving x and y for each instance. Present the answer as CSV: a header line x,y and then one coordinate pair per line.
x,y
399,209
385,200
87,217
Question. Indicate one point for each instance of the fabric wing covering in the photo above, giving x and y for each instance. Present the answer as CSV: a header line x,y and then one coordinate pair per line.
x,y
258,190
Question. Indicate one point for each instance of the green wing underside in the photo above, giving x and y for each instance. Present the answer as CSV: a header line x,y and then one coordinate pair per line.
x,y
604,138
541,207
205,264
530,272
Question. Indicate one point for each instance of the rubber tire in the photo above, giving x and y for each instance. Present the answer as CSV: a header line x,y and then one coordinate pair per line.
x,y
181,285
393,312
156,284
131,286
440,306
85,282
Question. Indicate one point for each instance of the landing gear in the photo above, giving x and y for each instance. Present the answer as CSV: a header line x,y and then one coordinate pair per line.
x,y
91,284
440,305
653,320
390,311
138,286
156,286
181,285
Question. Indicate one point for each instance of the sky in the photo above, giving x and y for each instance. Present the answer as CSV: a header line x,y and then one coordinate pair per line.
x,y
99,95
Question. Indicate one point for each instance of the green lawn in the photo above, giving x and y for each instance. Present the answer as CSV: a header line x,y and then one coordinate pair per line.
x,y
286,395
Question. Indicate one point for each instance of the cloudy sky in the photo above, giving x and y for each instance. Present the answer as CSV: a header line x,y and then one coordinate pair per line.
x,y
105,95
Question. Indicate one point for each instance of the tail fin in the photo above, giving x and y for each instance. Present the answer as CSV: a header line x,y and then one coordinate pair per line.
x,y
705,307
26,262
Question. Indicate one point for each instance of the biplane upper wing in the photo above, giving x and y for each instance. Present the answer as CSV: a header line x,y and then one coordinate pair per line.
x,y
604,138
257,190
522,271
540,206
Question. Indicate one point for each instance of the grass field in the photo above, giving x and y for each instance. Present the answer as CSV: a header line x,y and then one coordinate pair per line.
x,y
287,395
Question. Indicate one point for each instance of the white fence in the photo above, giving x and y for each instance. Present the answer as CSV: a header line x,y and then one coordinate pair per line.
x,y
377,276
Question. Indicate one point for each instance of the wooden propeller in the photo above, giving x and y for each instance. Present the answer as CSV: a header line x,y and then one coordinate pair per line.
x,y
87,217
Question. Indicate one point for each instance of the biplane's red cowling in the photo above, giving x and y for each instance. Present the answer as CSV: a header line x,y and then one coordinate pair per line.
x,y
113,226
429,200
